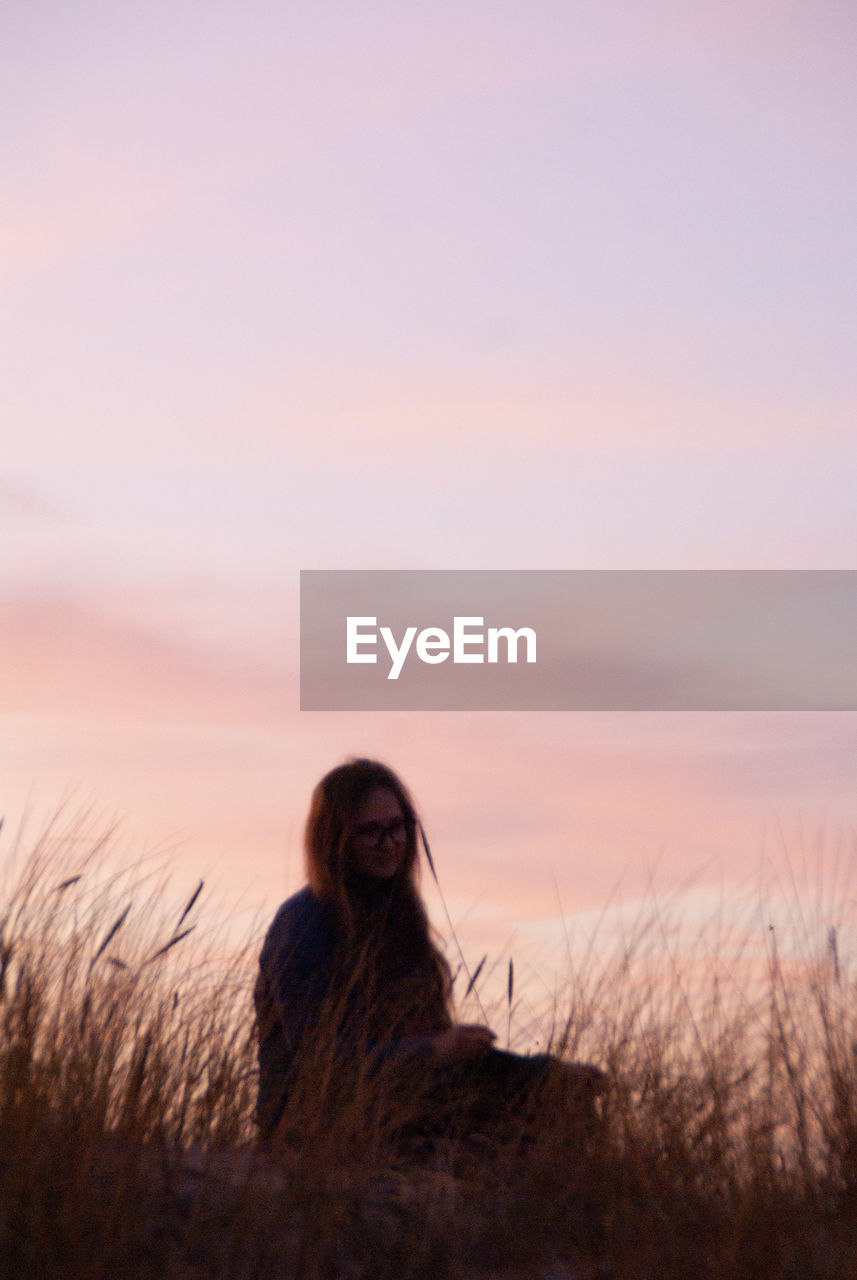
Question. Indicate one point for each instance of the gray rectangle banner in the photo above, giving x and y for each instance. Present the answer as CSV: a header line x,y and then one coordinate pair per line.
x,y
578,640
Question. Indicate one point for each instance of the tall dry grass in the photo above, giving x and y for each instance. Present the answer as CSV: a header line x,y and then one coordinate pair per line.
x,y
727,1144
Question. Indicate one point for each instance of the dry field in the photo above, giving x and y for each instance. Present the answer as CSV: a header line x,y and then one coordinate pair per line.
x,y
727,1144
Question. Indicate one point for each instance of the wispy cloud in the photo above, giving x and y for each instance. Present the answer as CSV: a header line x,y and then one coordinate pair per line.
x,y
66,655
22,500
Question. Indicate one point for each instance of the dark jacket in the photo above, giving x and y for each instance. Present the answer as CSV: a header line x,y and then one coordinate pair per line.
x,y
308,1002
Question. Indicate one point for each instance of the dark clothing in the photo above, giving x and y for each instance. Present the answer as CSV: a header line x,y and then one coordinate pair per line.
x,y
328,1017
309,999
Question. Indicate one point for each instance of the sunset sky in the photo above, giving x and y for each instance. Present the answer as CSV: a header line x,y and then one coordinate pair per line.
x,y
376,286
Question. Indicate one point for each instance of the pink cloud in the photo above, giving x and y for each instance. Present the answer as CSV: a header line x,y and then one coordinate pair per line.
x,y
61,655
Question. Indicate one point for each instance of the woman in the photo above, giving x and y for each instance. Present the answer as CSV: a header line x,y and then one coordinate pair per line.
x,y
353,996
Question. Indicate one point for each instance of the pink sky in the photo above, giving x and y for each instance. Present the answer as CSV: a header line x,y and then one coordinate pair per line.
x,y
427,289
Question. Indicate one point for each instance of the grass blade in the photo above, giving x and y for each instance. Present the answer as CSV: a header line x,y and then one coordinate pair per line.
x,y
476,972
66,884
110,935
430,861
193,897
162,951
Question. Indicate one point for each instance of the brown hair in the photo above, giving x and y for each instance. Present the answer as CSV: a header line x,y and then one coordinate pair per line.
x,y
330,824
332,817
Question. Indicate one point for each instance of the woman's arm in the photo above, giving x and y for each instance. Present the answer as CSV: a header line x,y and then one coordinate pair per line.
x,y
295,969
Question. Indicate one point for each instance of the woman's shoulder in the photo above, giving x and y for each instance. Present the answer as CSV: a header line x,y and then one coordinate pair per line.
x,y
302,905
303,926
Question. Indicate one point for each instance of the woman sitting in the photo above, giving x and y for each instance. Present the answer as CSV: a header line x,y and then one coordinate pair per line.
x,y
353,997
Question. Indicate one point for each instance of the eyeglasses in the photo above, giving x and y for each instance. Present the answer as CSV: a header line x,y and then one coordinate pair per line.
x,y
373,834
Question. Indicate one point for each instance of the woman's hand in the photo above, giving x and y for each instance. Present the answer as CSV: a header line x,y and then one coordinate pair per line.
x,y
458,1043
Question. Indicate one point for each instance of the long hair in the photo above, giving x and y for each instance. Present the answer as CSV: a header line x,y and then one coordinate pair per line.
x,y
402,927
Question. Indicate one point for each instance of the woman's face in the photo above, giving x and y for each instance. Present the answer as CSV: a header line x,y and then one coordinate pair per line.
x,y
380,837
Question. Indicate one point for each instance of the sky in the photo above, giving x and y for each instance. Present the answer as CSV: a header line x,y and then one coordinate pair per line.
x,y
484,286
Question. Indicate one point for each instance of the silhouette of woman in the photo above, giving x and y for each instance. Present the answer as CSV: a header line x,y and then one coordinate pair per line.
x,y
353,996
